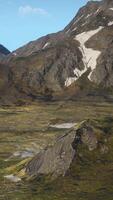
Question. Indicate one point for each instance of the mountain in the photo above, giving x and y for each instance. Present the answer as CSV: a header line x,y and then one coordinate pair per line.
x,y
74,63
3,50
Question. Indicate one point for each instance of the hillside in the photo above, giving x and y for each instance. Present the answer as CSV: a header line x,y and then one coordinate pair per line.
x,y
74,63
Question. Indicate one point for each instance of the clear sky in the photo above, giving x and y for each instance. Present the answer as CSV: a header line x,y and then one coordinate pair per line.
x,y
22,21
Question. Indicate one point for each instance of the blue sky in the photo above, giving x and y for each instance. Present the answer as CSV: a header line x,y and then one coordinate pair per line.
x,y
22,21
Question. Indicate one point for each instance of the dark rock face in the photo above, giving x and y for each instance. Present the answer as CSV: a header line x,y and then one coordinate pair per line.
x,y
3,50
60,65
48,71
103,74
3,53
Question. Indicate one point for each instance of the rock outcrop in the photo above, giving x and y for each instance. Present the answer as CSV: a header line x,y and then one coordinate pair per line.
x,y
55,161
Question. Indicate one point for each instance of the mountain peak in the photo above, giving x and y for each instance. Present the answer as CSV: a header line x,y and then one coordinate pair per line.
x,y
4,50
75,61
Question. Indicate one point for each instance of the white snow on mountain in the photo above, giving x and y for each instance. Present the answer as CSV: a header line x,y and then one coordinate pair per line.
x,y
110,23
110,8
47,44
70,80
90,55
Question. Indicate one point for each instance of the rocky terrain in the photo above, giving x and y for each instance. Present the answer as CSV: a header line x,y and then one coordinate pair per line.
x,y
58,159
71,64
56,150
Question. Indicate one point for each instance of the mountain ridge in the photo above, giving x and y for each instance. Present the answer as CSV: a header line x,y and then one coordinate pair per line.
x,y
4,50
75,62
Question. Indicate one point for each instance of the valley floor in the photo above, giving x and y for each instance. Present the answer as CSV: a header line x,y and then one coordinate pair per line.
x,y
26,130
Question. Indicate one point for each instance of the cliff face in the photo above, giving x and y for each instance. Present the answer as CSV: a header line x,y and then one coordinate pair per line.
x,y
74,62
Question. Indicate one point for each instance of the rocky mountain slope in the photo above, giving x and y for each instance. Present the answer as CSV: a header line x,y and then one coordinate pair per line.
x,y
3,50
72,63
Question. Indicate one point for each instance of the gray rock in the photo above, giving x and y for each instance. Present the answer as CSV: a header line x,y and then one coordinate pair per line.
x,y
56,160
89,138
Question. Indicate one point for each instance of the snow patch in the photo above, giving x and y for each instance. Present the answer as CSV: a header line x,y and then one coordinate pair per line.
x,y
13,178
79,72
47,44
70,80
89,58
89,55
85,36
110,23
110,8
63,126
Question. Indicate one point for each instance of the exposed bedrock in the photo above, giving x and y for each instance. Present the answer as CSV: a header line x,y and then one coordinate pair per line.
x,y
56,160
89,140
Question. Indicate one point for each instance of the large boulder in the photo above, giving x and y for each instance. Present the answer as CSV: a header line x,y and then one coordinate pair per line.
x,y
57,159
